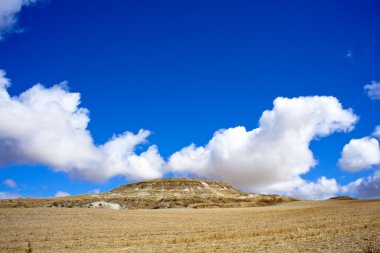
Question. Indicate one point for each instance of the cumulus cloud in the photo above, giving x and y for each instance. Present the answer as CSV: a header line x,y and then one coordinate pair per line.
x,y
376,133
61,194
9,10
272,157
47,126
9,195
368,187
360,154
10,183
322,189
373,90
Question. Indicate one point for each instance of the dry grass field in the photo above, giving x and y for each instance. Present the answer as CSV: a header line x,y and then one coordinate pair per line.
x,y
303,226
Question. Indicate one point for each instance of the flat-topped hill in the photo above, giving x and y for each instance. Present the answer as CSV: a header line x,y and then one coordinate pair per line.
x,y
178,187
158,193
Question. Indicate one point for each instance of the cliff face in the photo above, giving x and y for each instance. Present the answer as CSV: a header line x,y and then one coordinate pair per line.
x,y
159,193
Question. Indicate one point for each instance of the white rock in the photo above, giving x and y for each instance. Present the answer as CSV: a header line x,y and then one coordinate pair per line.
x,y
103,204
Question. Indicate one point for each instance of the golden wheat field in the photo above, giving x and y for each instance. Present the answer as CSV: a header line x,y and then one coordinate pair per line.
x,y
303,226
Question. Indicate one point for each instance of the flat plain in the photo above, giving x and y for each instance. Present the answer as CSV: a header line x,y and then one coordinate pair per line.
x,y
302,226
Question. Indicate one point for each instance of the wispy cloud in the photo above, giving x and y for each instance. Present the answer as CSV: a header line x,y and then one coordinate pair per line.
x,y
10,183
349,55
9,195
9,11
373,90
61,194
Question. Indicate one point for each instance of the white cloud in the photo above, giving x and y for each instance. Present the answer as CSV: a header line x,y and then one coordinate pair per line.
x,y
9,10
47,126
373,90
61,194
8,195
360,154
365,187
272,157
376,133
10,183
94,191
322,189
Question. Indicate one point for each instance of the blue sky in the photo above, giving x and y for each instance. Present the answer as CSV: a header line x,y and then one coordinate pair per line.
x,y
184,70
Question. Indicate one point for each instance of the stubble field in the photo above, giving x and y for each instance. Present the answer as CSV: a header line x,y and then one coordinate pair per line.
x,y
303,226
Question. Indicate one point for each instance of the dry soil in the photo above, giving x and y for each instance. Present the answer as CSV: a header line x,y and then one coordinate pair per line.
x,y
302,226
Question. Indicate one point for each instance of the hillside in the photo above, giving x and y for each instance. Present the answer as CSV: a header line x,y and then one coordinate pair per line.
x,y
157,194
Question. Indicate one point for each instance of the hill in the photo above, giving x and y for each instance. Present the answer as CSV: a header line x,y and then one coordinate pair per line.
x,y
157,194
